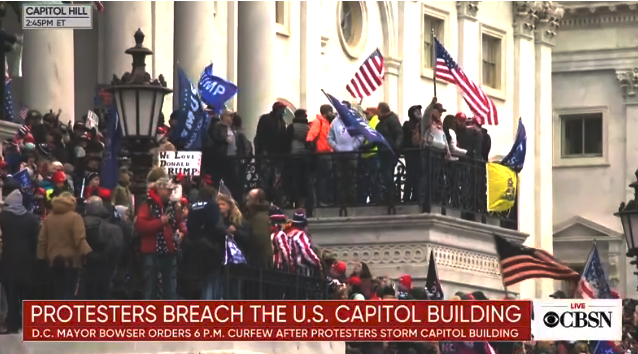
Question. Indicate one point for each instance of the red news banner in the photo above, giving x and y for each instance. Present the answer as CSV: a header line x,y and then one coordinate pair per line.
x,y
277,321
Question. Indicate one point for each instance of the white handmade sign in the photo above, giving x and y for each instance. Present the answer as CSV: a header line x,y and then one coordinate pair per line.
x,y
187,163
92,120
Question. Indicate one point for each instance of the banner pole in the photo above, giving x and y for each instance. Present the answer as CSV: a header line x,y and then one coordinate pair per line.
x,y
433,41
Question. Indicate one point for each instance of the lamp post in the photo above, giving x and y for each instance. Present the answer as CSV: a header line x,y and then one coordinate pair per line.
x,y
139,103
628,214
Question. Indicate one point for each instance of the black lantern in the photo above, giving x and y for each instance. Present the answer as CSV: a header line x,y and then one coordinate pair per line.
x,y
628,215
139,100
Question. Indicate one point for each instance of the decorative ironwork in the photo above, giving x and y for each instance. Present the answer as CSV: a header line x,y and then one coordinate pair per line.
x,y
356,179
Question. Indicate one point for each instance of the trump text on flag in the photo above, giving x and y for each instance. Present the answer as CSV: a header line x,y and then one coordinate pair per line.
x,y
57,16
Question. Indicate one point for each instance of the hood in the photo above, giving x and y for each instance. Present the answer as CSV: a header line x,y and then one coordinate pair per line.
x,y
99,211
13,203
63,205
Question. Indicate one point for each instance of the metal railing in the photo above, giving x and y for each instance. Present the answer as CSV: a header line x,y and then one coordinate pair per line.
x,y
343,180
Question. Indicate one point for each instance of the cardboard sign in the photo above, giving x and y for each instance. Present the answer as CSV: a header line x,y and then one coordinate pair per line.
x,y
175,162
92,120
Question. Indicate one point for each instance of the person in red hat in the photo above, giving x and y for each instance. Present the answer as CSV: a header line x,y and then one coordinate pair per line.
x,y
468,136
405,285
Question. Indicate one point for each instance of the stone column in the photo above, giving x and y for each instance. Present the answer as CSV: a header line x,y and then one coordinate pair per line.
x,y
194,29
391,84
546,26
524,52
121,20
255,74
309,77
49,72
468,44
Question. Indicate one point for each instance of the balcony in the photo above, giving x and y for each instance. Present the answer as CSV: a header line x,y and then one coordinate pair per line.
x,y
393,227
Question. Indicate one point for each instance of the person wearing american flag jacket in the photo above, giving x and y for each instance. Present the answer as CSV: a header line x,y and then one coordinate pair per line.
x,y
306,260
281,245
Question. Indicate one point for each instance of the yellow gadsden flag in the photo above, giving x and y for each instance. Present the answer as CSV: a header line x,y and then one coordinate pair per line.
x,y
501,187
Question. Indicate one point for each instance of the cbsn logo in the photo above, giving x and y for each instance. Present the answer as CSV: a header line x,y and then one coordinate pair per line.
x,y
578,319
569,320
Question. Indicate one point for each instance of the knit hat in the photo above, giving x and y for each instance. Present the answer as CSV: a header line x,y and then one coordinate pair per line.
x,y
91,176
58,177
278,105
163,183
406,280
277,215
207,179
354,281
104,194
339,268
300,217
29,139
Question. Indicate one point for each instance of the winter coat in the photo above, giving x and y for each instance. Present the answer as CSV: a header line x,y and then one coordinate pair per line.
x,y
259,251
270,137
470,139
105,239
297,133
206,233
318,133
148,225
486,144
18,242
62,236
339,137
390,128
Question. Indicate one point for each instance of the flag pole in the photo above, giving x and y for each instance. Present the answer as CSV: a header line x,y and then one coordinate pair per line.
x,y
433,41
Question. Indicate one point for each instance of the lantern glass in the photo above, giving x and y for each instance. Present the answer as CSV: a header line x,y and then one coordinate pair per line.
x,y
139,109
629,220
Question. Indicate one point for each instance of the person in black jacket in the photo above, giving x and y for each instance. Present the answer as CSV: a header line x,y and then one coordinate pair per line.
x,y
298,172
486,141
19,241
270,139
390,128
204,247
411,138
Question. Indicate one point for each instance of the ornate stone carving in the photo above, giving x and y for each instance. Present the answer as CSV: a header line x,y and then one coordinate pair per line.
x,y
467,9
628,82
525,18
418,253
392,65
549,16
324,44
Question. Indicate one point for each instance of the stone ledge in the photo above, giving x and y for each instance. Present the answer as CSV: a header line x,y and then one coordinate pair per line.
x,y
13,344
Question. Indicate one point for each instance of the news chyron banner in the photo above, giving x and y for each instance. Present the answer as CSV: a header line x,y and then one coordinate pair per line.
x,y
466,321
38,15
578,319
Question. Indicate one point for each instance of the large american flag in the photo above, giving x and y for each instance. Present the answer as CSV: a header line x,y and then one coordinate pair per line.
x,y
448,70
369,76
593,284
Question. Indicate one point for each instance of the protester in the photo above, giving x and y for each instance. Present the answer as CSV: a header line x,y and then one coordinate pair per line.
x,y
345,143
306,260
390,128
411,142
259,249
318,139
298,172
62,243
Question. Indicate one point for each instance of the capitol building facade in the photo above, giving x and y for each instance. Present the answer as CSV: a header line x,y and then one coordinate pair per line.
x,y
522,53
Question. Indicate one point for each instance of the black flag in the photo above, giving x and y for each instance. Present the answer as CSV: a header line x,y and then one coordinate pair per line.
x,y
432,284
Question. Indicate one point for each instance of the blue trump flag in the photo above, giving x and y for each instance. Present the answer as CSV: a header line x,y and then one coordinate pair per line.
x,y
515,159
191,115
110,173
8,103
215,91
355,123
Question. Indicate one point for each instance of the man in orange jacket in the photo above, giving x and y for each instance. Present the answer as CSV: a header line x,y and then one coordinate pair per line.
x,y
318,139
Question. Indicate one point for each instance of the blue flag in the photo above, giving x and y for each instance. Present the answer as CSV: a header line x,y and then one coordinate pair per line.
x,y
191,115
8,103
515,159
109,174
356,123
26,187
215,91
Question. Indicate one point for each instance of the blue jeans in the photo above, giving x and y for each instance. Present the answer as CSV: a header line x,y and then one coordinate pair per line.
x,y
212,289
166,265
324,183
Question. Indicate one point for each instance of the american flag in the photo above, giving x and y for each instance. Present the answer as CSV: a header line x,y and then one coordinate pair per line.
x,y
519,263
369,76
593,284
24,111
448,70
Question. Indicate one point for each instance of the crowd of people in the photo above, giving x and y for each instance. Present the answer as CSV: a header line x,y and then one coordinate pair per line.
x,y
65,235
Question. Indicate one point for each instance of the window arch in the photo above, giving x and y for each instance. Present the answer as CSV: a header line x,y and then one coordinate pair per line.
x,y
352,26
